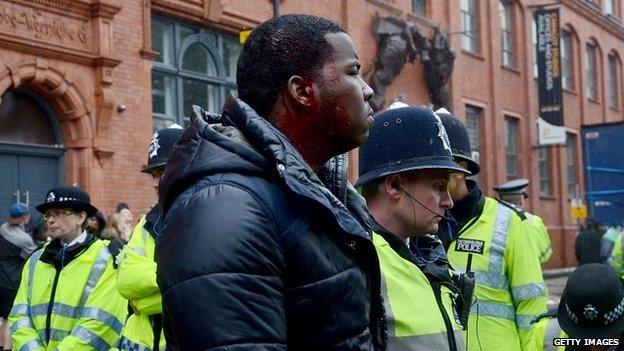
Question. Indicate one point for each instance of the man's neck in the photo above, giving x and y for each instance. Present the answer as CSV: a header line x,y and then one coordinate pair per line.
x,y
388,221
309,140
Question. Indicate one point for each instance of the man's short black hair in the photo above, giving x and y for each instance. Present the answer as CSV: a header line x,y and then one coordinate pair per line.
x,y
278,49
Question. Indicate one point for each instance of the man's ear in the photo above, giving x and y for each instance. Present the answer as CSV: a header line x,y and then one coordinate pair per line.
x,y
301,91
392,186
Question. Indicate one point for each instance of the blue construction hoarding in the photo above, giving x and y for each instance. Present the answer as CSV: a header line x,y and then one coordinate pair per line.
x,y
603,156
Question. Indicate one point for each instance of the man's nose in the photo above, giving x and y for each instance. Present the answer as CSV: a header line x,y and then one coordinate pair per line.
x,y
446,202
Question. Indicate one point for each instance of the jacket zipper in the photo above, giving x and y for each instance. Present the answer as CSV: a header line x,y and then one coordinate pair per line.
x,y
51,304
447,322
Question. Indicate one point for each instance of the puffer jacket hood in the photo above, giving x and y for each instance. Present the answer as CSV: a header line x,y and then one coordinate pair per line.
x,y
206,149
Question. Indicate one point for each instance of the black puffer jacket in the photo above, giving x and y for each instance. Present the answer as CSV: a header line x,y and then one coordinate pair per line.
x,y
256,253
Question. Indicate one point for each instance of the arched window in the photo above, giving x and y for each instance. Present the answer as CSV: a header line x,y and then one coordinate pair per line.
x,y
196,66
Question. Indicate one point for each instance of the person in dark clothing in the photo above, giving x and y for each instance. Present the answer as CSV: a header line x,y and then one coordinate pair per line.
x,y
588,243
96,224
15,247
266,246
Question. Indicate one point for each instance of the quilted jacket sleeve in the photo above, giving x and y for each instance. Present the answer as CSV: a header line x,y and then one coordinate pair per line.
x,y
220,271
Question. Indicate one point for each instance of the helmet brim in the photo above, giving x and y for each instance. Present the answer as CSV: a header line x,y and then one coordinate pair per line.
x,y
411,165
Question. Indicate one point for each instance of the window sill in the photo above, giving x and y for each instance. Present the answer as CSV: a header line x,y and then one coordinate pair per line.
x,y
511,69
571,92
547,197
473,54
595,101
614,109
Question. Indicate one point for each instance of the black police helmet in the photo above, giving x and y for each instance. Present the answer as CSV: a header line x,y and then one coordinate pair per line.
x,y
458,135
405,139
592,304
68,197
161,146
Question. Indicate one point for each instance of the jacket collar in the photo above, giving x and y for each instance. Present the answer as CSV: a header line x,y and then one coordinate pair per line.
x,y
59,257
288,165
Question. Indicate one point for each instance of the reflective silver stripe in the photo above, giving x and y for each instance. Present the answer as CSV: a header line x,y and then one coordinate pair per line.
x,y
414,342
21,309
523,321
139,251
34,258
71,312
528,291
21,324
387,308
96,273
493,309
33,344
91,338
552,331
102,316
55,334
127,345
491,279
438,341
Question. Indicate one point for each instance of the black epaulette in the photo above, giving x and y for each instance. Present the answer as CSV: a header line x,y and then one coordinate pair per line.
x,y
516,209
552,313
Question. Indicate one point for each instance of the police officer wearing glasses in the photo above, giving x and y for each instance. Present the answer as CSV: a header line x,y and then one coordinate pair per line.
x,y
67,298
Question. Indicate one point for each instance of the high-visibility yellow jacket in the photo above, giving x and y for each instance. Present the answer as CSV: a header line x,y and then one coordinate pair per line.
x,y
539,236
67,300
509,288
419,313
617,256
544,332
136,281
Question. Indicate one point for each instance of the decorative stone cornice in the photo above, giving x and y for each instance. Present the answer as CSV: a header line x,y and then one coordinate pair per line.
x,y
594,14
75,8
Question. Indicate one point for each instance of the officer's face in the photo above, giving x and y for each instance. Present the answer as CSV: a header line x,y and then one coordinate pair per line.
x,y
430,188
156,177
64,224
344,95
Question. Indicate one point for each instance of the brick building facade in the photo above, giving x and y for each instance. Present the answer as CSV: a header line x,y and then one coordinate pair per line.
x,y
84,82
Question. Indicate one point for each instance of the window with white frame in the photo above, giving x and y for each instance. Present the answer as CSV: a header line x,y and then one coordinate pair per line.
x,y
511,147
469,25
418,7
534,41
591,71
473,127
609,7
571,165
196,66
614,63
505,12
545,176
567,61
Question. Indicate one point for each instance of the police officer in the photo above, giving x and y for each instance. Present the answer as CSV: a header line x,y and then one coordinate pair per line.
x,y
514,193
545,329
136,276
405,166
67,298
509,289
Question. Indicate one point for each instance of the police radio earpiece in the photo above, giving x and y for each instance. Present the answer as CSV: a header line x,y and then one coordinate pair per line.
x,y
398,187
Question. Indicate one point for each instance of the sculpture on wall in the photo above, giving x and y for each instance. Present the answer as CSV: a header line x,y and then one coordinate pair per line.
x,y
401,42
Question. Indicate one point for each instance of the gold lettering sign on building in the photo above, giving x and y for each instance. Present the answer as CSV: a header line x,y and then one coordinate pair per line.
x,y
28,23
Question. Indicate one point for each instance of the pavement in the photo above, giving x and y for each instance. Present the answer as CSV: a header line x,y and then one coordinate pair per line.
x,y
555,281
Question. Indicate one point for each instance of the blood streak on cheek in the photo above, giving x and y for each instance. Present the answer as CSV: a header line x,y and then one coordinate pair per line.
x,y
331,72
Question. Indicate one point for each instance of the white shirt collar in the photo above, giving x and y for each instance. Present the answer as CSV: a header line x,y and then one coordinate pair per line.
x,y
79,239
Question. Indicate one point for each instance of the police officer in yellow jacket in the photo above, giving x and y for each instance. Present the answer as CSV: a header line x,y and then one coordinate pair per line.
x,y
136,275
404,171
510,289
67,298
513,192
